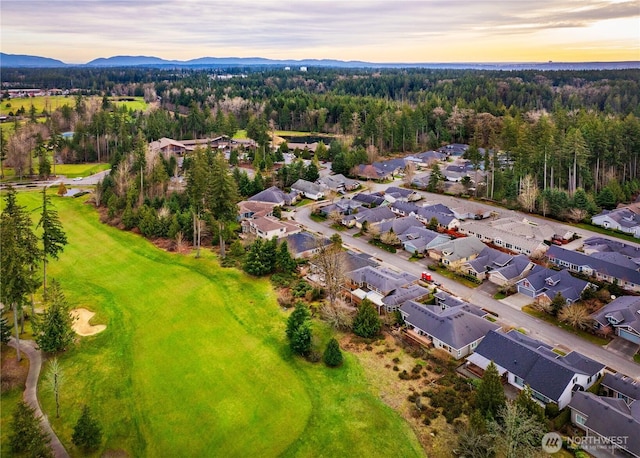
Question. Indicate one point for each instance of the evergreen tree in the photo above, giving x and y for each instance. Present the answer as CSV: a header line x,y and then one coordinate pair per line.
x,y
332,355
606,199
528,404
435,178
367,322
19,255
254,263
301,339
26,435
5,331
87,433
222,197
53,331
53,237
270,254
284,262
490,397
311,173
557,303
299,315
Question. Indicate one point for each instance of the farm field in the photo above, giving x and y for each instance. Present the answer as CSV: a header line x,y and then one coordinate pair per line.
x,y
50,103
194,362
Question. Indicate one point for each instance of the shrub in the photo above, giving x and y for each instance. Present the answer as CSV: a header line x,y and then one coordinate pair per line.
x,y
314,356
333,355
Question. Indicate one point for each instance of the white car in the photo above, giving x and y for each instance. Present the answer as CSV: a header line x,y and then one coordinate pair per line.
x,y
77,178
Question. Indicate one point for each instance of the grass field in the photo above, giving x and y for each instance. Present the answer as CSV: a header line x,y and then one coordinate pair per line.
x,y
194,361
50,103
80,170
137,105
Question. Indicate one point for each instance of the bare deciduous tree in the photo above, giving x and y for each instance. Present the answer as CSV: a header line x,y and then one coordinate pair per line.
x,y
576,315
338,315
528,193
329,261
390,238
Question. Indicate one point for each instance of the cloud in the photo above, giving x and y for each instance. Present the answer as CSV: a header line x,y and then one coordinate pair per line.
x,y
187,28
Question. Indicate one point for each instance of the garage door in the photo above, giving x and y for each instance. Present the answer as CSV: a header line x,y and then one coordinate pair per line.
x,y
629,336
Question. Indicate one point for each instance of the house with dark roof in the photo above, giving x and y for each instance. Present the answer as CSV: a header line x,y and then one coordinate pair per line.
x,y
454,253
454,149
417,240
457,330
620,219
620,386
373,216
275,195
394,193
604,266
623,315
425,159
488,259
304,244
515,270
544,284
522,361
399,225
608,423
308,189
403,294
342,206
421,180
369,200
376,283
445,220
605,245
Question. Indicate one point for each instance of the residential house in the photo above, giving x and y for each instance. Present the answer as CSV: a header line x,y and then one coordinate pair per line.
x,y
421,181
342,206
267,227
620,386
522,361
488,259
623,315
373,216
620,219
248,209
308,189
417,240
403,294
403,194
304,244
376,283
426,159
457,252
399,225
469,211
369,200
515,270
458,330
275,195
519,236
454,149
543,284
445,220
608,423
338,183
604,245
610,267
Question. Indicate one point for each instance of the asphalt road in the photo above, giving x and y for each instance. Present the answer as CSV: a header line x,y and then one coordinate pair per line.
x,y
507,314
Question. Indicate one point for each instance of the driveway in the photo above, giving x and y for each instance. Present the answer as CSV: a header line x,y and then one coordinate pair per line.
x,y
623,347
517,301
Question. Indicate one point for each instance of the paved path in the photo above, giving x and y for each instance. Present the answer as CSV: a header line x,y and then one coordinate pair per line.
x,y
509,315
28,349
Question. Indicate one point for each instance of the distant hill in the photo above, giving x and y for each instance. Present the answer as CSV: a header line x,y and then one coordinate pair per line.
x,y
14,60
21,60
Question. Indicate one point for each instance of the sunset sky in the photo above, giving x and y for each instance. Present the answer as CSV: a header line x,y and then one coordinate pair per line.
x,y
374,31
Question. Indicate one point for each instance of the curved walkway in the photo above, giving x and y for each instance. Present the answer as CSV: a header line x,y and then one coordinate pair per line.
x,y
28,348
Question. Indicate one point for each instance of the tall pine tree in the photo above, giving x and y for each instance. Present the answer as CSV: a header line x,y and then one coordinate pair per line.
x,y
53,236
53,330
490,397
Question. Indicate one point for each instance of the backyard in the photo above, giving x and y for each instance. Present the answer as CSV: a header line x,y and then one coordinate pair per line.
x,y
194,362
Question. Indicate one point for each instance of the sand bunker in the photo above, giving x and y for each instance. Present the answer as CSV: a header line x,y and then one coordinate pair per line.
x,y
81,325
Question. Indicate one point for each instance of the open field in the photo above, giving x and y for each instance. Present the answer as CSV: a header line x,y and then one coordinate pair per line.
x,y
67,170
138,104
194,362
50,103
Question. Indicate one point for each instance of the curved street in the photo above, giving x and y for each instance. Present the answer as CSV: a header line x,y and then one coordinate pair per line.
x,y
507,314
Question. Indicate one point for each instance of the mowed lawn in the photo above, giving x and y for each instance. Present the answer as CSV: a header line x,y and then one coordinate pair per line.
x,y
194,361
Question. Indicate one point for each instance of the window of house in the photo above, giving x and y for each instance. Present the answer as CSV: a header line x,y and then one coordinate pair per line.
x,y
518,381
580,419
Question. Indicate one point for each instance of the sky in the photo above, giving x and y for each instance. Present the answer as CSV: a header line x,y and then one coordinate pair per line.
x,y
391,31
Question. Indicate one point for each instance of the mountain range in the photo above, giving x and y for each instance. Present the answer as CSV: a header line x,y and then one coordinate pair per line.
x,y
20,60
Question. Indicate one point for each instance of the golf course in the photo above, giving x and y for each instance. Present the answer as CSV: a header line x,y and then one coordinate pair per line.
x,y
194,362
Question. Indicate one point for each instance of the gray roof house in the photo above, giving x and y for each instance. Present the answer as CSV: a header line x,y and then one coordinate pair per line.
x,y
418,240
453,329
399,225
456,252
308,189
607,422
488,259
370,200
304,244
519,236
274,195
523,361
604,266
375,283
623,314
421,180
621,219
543,284
342,206
620,387
519,266
403,294
338,183
604,245
394,193
374,216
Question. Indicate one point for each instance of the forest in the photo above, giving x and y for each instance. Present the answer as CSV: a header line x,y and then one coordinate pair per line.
x,y
569,138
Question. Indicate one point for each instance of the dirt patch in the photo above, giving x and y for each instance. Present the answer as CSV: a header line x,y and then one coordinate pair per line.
x,y
81,324
13,374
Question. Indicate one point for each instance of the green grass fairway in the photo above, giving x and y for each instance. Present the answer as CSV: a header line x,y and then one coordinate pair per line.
x,y
137,105
50,103
194,361
80,170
